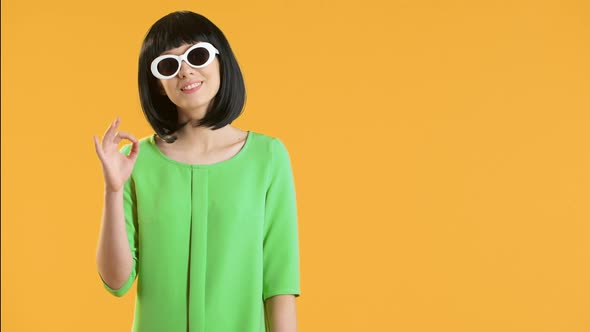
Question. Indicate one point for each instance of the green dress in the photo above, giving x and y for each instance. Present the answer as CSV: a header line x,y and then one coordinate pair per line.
x,y
211,242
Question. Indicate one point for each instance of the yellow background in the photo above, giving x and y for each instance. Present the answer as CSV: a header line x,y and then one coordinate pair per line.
x,y
440,152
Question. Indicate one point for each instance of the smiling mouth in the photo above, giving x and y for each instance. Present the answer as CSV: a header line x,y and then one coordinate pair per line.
x,y
191,86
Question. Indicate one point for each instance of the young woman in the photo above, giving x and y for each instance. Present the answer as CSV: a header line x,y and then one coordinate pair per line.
x,y
201,212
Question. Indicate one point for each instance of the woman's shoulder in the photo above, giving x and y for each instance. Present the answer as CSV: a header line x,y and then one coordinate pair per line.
x,y
268,143
261,137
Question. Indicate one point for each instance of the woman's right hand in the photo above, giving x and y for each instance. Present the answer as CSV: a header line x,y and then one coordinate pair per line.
x,y
116,166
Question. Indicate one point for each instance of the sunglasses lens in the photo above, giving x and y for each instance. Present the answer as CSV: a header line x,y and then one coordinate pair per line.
x,y
168,67
198,56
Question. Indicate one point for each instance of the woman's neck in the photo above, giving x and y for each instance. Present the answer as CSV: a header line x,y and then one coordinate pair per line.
x,y
201,140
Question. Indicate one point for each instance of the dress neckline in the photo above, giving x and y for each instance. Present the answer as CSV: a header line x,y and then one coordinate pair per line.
x,y
238,155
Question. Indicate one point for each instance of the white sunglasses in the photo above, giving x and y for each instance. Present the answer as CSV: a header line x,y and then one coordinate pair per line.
x,y
197,56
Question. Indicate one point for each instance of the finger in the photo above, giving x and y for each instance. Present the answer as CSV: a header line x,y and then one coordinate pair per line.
x,y
116,138
120,135
134,146
107,134
98,148
110,133
134,150
126,135
115,127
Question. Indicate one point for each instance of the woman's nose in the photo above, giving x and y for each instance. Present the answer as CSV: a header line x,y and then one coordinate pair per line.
x,y
185,69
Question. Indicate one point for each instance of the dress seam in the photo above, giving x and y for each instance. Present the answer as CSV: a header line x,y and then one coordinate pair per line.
x,y
188,280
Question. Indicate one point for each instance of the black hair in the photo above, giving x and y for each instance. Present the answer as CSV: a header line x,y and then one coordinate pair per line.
x,y
172,31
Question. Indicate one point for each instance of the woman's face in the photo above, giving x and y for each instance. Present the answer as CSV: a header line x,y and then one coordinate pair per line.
x,y
192,89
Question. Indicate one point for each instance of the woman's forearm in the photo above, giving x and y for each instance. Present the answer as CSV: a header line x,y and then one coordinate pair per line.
x,y
113,255
281,313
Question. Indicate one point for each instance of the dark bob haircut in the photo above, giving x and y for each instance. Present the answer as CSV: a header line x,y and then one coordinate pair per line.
x,y
174,30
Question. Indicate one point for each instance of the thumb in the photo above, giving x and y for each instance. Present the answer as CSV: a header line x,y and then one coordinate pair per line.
x,y
134,151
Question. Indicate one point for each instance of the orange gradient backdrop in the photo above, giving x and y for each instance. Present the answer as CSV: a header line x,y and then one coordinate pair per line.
x,y
440,152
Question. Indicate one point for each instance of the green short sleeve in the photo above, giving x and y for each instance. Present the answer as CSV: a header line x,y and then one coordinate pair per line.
x,y
280,241
130,210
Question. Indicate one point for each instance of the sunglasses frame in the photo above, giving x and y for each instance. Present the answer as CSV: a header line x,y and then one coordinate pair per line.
x,y
210,48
